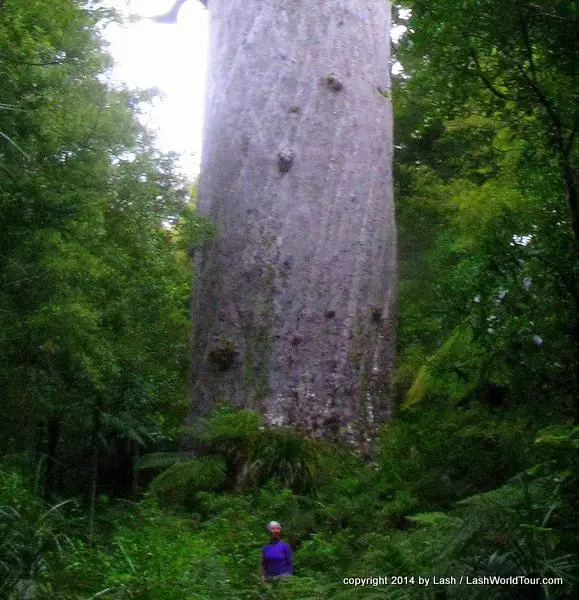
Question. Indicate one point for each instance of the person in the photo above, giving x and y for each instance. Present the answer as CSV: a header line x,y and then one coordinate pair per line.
x,y
276,556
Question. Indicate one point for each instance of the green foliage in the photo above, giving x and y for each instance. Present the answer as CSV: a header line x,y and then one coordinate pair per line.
x,y
178,485
30,530
564,437
95,226
227,429
442,453
477,473
160,460
486,245
487,353
256,455
177,563
452,372
292,460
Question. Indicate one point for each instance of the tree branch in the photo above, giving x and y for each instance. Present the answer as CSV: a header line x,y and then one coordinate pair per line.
x,y
528,44
487,82
572,134
537,10
19,61
533,83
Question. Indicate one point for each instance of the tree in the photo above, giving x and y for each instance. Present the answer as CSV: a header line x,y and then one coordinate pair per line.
x,y
94,285
485,347
518,60
294,300
514,65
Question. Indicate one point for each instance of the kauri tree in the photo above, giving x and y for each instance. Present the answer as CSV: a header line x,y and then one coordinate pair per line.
x,y
293,302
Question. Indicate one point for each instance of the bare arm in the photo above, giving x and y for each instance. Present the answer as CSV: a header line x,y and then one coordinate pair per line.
x,y
289,559
262,566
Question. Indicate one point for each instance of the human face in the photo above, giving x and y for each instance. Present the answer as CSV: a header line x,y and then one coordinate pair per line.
x,y
275,532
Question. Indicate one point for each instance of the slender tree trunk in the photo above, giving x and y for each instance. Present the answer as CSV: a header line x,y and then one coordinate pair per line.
x,y
94,467
570,183
123,468
53,434
135,473
294,302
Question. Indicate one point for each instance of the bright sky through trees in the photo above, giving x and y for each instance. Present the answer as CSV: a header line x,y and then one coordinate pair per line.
x,y
171,58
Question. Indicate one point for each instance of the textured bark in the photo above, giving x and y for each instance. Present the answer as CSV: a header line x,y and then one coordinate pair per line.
x,y
293,303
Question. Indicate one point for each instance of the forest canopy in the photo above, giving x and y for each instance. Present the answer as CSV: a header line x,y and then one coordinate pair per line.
x,y
476,474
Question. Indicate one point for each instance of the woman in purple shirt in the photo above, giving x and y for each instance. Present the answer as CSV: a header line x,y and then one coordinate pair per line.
x,y
276,557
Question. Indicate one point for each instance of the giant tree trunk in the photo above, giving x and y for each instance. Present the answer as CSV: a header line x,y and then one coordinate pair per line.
x,y
293,306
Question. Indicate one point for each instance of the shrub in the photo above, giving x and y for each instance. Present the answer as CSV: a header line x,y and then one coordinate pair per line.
x,y
179,484
255,454
30,529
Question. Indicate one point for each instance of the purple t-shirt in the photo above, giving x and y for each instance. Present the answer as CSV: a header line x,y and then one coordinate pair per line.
x,y
276,559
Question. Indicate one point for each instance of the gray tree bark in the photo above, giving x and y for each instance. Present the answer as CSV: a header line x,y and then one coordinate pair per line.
x,y
293,303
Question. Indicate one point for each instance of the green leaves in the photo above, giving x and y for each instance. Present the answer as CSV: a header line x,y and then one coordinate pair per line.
x,y
559,436
256,455
177,486
451,373
29,531
94,273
